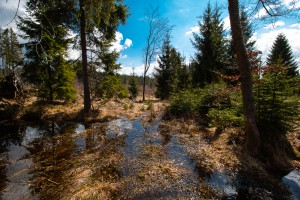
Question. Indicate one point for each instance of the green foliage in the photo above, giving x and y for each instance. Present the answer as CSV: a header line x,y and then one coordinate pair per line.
x,y
276,110
185,103
45,64
126,106
10,51
111,86
210,45
221,104
133,87
166,72
131,106
281,50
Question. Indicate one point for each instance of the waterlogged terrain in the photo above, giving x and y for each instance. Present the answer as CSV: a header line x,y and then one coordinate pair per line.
x,y
120,159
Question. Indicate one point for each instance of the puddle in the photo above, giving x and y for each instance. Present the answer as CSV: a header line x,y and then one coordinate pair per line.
x,y
80,128
147,154
144,163
222,182
292,180
15,163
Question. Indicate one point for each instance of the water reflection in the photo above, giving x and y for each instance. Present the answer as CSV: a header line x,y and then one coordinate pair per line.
x,y
15,164
292,180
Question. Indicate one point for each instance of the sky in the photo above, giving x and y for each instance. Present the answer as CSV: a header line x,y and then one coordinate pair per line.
x,y
183,15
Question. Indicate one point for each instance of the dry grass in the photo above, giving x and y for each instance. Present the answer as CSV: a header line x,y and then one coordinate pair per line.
x,y
216,152
64,173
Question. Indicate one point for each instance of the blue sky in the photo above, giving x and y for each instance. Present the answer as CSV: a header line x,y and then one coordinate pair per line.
x,y
183,14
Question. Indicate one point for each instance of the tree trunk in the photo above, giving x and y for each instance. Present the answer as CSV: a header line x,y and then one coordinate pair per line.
x,y
144,86
50,85
252,135
87,97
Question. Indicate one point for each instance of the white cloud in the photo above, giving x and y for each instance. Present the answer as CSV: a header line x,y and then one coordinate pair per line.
x,y
266,39
274,25
139,70
292,4
8,10
226,22
123,56
261,13
128,43
295,26
74,54
117,44
192,30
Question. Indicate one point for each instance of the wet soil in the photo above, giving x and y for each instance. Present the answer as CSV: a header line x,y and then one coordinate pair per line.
x,y
122,159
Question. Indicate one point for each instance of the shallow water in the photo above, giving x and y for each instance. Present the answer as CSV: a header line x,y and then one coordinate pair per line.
x,y
154,165
292,180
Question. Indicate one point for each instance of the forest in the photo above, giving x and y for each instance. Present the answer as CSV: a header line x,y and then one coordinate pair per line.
x,y
223,124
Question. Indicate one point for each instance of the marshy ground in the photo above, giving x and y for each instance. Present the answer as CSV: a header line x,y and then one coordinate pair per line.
x,y
128,150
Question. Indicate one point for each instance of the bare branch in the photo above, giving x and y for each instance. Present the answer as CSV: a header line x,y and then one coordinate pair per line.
x,y
16,13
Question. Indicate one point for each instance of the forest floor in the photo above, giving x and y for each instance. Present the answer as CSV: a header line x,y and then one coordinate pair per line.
x,y
94,175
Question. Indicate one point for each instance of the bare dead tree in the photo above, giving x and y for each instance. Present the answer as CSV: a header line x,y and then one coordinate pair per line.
x,y
273,8
158,28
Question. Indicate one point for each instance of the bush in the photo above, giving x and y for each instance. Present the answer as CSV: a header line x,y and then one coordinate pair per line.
x,y
224,118
185,102
275,106
126,106
220,103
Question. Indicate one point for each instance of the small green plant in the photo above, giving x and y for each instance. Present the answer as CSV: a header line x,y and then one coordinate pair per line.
x,y
150,106
142,108
184,103
224,118
131,106
126,106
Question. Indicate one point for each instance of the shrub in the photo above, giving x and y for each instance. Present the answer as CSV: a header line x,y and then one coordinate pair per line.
x,y
276,110
185,102
224,118
131,106
126,106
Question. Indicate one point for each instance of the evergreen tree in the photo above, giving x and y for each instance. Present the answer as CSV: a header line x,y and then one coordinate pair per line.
x,y
184,77
166,73
281,50
210,46
11,51
46,49
110,84
133,86
97,23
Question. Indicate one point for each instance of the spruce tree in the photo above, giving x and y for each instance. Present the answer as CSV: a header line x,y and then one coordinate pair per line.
x,y
166,73
210,45
110,84
95,22
281,51
11,51
133,86
184,78
45,64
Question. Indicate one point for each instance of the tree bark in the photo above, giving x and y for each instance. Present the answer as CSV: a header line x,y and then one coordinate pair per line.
x,y
252,135
87,97
144,86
